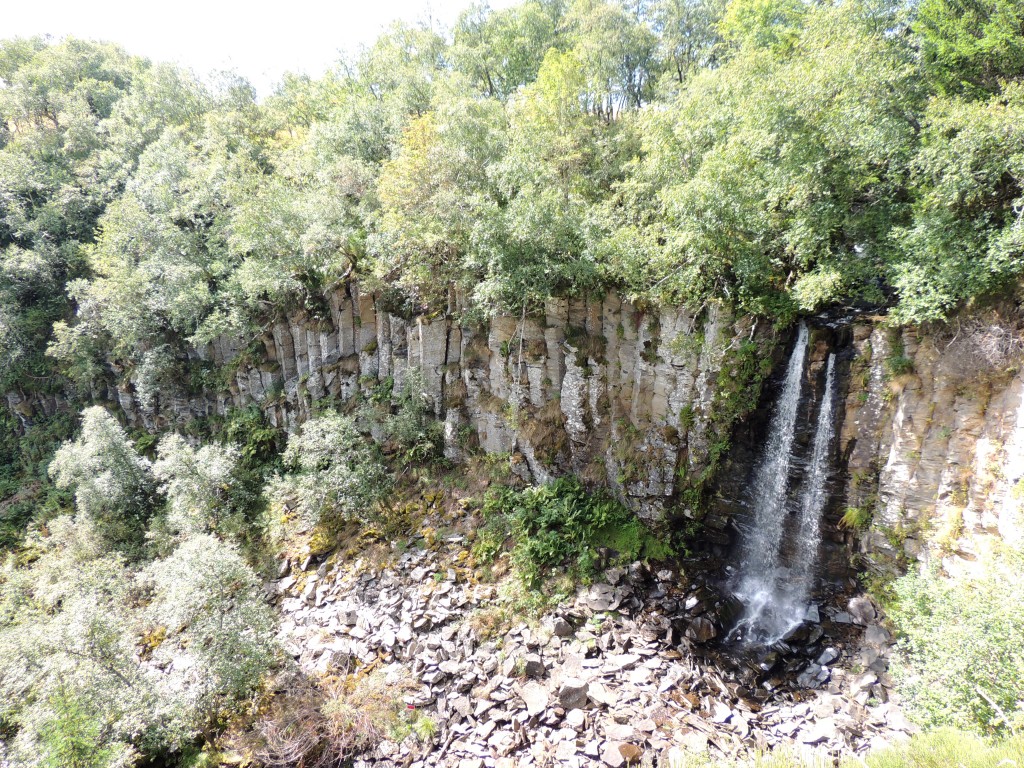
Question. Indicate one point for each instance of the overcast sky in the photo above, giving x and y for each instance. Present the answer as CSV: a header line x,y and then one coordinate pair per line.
x,y
259,40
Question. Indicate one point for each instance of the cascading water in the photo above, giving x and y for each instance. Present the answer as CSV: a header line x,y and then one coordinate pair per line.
x,y
758,577
775,593
814,496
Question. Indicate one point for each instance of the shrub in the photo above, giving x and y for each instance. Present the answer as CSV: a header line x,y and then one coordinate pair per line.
x,y
410,425
899,365
113,485
413,426
99,662
197,484
961,659
333,472
560,526
69,678
259,442
220,631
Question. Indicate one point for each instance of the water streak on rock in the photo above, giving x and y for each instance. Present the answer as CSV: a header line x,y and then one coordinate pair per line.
x,y
760,578
815,494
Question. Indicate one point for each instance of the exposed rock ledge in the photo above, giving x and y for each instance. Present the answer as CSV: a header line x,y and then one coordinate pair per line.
x,y
602,389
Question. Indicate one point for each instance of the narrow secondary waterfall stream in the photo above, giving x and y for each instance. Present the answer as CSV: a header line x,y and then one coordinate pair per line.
x,y
774,581
814,497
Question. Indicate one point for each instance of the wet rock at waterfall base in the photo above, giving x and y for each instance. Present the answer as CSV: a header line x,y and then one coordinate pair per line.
x,y
701,630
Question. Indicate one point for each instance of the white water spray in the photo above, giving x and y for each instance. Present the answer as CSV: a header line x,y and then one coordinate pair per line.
x,y
758,578
774,593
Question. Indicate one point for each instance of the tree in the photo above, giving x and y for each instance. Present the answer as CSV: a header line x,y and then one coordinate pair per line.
x,y
333,473
377,93
616,47
100,663
113,485
688,34
438,194
69,678
781,173
772,24
967,238
54,103
501,51
960,659
970,46
161,251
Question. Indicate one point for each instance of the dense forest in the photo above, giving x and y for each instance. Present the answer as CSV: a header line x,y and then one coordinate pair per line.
x,y
775,157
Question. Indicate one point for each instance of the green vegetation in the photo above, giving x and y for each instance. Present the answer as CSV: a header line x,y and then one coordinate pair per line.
x,y
770,157
946,747
776,157
961,662
856,518
333,473
560,528
87,643
941,748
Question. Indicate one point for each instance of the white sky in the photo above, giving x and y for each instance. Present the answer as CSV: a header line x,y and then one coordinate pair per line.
x,y
258,39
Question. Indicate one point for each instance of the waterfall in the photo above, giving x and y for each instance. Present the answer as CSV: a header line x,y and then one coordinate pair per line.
x,y
813,498
759,572
774,594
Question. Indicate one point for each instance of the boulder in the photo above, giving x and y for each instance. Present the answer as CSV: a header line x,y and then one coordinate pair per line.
x,y
535,696
572,693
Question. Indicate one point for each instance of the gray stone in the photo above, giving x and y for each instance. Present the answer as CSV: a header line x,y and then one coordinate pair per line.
x,y
575,718
601,694
861,609
619,732
611,755
827,656
561,628
822,730
876,636
720,713
535,697
572,693
462,705
533,666
601,597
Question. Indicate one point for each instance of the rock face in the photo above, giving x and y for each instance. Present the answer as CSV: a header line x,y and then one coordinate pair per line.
x,y
601,389
934,434
930,453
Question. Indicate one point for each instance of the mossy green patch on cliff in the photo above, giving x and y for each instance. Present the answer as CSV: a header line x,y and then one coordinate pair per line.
x,y
745,366
588,346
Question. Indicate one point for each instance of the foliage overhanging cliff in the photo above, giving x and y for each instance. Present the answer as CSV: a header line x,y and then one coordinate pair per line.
x,y
775,156
579,229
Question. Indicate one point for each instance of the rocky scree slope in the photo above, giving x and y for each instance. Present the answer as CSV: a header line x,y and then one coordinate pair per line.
x,y
624,672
